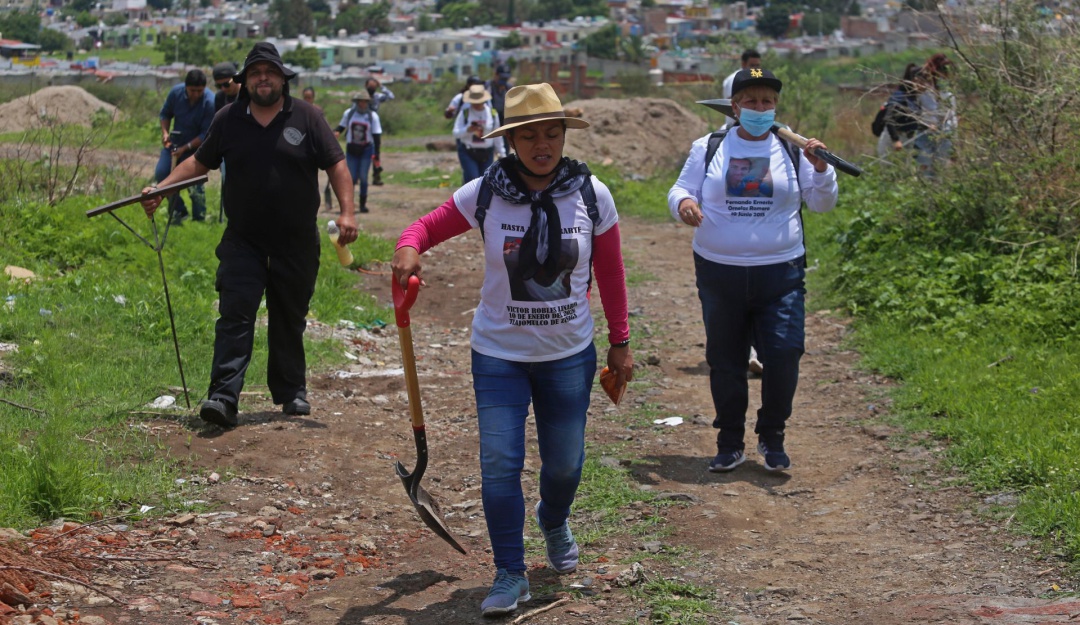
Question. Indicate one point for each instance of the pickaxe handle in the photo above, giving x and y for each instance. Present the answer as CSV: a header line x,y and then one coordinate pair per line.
x,y
789,135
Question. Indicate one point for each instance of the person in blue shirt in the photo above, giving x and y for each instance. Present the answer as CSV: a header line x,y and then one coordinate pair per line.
x,y
185,119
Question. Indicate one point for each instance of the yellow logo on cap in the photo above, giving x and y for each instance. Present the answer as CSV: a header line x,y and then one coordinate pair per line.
x,y
755,73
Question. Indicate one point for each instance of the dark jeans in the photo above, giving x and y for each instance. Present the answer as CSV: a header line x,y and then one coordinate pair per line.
x,y
764,304
471,168
177,208
288,279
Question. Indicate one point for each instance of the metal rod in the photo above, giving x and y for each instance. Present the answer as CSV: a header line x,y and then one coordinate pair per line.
x,y
168,305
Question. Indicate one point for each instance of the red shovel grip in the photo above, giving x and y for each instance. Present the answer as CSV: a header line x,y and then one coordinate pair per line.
x,y
404,299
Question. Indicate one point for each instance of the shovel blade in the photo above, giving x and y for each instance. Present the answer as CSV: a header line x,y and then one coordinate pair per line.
x,y
426,507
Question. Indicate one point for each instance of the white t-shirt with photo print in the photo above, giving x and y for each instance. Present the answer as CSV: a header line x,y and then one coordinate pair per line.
x,y
750,200
546,317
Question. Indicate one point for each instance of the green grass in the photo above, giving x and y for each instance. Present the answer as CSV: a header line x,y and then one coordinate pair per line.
x,y
1008,409
95,345
677,602
135,54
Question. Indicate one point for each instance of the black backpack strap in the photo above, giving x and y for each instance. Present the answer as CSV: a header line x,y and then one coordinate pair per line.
x,y
588,195
715,139
483,201
795,154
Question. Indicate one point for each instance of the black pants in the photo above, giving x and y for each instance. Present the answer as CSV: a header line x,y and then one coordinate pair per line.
x,y
288,279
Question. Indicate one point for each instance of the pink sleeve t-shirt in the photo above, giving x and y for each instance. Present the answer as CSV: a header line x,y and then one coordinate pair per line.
x,y
546,317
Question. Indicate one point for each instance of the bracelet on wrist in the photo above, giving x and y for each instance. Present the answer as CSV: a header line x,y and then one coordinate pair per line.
x,y
621,343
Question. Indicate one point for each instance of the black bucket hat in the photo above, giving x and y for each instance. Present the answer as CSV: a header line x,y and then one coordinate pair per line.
x,y
263,51
753,77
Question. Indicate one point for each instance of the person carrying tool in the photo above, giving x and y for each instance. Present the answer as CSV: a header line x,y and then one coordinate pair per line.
x,y
271,242
363,135
547,217
751,263
379,93
185,117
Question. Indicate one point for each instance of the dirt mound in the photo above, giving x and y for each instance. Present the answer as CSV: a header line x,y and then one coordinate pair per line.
x,y
65,104
638,135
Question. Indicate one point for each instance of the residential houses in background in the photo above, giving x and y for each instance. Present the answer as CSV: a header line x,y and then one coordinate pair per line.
x,y
673,33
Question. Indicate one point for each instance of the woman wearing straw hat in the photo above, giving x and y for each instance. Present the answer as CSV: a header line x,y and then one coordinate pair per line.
x,y
475,119
363,130
545,217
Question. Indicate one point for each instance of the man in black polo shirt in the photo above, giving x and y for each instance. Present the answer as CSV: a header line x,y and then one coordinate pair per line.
x,y
273,146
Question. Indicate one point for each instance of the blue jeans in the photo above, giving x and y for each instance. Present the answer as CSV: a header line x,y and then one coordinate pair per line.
x,y
764,304
359,166
472,169
177,208
931,151
559,392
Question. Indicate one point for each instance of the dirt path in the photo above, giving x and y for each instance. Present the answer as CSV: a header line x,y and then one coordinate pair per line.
x,y
311,526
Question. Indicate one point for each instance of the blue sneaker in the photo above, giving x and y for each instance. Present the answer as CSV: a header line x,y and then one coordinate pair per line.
x,y
775,458
726,461
508,590
562,549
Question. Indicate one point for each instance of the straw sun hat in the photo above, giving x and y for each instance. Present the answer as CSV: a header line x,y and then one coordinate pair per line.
x,y
528,104
476,95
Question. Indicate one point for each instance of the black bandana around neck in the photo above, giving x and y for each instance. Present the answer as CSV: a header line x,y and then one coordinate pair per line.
x,y
542,243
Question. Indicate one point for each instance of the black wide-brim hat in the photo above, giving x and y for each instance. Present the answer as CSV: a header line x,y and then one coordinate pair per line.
x,y
753,77
263,51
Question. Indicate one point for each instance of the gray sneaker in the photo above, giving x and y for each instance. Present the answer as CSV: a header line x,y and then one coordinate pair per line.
x,y
508,590
562,549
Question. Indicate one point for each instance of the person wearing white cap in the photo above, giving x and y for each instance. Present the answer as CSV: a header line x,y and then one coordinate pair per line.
x,y
545,222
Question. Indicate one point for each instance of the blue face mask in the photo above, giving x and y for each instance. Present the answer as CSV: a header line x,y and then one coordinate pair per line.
x,y
756,123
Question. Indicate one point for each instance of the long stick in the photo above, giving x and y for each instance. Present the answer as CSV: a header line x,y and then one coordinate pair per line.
x,y
168,305
159,243
135,199
540,610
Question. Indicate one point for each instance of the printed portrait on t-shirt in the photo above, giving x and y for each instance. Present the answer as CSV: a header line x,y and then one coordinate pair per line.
x,y
359,129
544,286
749,177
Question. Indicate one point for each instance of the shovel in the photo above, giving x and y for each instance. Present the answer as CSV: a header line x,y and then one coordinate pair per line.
x,y
422,501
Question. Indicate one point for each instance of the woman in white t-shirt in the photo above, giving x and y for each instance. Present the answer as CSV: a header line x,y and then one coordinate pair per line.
x,y
363,132
750,262
475,119
545,221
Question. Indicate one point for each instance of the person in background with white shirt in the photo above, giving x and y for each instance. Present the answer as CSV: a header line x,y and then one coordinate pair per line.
x,y
363,133
475,119
750,263
750,58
